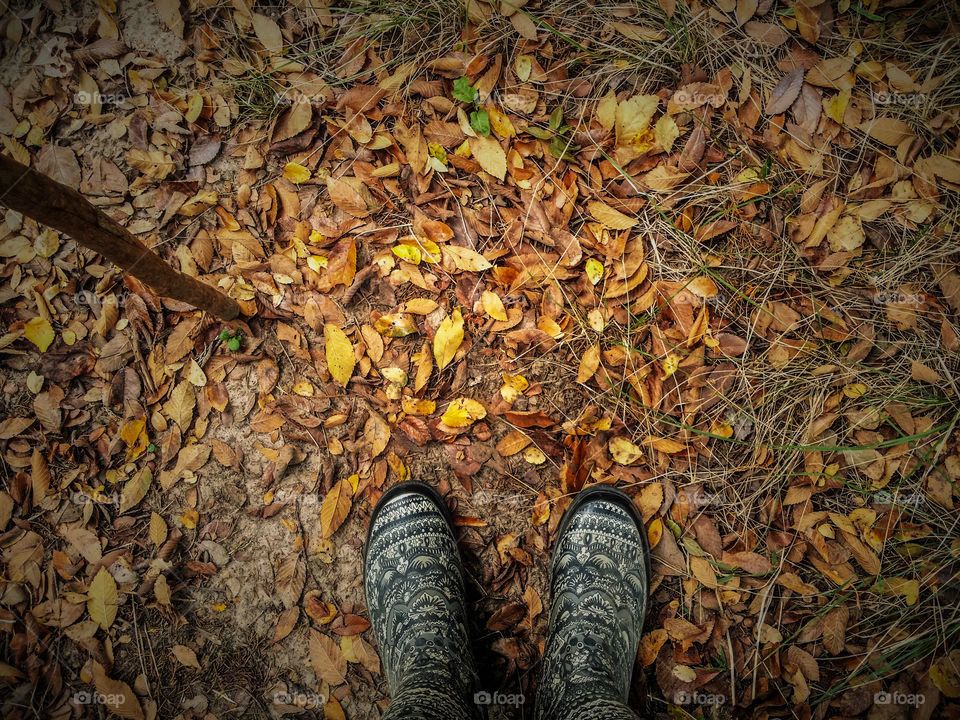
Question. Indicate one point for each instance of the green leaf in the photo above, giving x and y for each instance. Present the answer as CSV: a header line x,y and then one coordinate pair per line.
x,y
480,121
556,117
234,344
224,334
463,91
538,133
561,150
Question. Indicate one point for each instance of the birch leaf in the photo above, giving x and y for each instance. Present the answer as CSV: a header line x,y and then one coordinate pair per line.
x,y
488,152
340,355
102,599
448,339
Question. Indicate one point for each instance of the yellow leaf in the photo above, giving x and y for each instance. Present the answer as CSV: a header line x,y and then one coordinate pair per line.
x,y
39,332
513,387
296,173
448,339
910,589
194,374
340,355
594,270
463,412
666,132
550,326
835,107
317,262
190,518
945,674
606,112
534,455
493,305
624,452
722,429
854,390
589,363
500,124
655,532
420,306
633,117
102,599
304,388
670,365
395,325
523,66
335,508
412,406
610,217
488,152
466,259
410,253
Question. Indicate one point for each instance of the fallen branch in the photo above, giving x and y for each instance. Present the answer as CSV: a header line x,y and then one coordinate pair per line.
x,y
45,200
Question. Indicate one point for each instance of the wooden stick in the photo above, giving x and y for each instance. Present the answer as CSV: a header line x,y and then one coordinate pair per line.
x,y
63,208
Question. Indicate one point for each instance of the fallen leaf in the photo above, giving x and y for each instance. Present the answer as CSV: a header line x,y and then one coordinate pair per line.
x,y
341,359
335,508
448,339
102,599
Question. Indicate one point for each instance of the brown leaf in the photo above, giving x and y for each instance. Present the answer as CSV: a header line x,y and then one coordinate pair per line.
x,y
530,418
834,629
785,92
346,197
506,617
793,582
185,656
286,621
268,374
117,695
752,562
46,406
377,432
327,659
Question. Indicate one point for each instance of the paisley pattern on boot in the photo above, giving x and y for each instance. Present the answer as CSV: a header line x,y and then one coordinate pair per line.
x,y
413,581
599,588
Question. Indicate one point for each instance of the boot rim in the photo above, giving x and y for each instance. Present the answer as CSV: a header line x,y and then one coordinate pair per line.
x,y
618,496
406,486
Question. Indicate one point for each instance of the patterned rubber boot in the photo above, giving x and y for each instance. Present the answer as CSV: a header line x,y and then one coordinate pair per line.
x,y
599,586
413,581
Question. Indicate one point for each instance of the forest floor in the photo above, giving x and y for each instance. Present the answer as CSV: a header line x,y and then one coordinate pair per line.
x,y
705,251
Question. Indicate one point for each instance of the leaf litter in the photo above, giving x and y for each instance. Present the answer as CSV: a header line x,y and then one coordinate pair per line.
x,y
732,291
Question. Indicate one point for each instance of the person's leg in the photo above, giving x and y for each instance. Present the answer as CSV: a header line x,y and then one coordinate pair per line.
x,y
413,581
599,586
